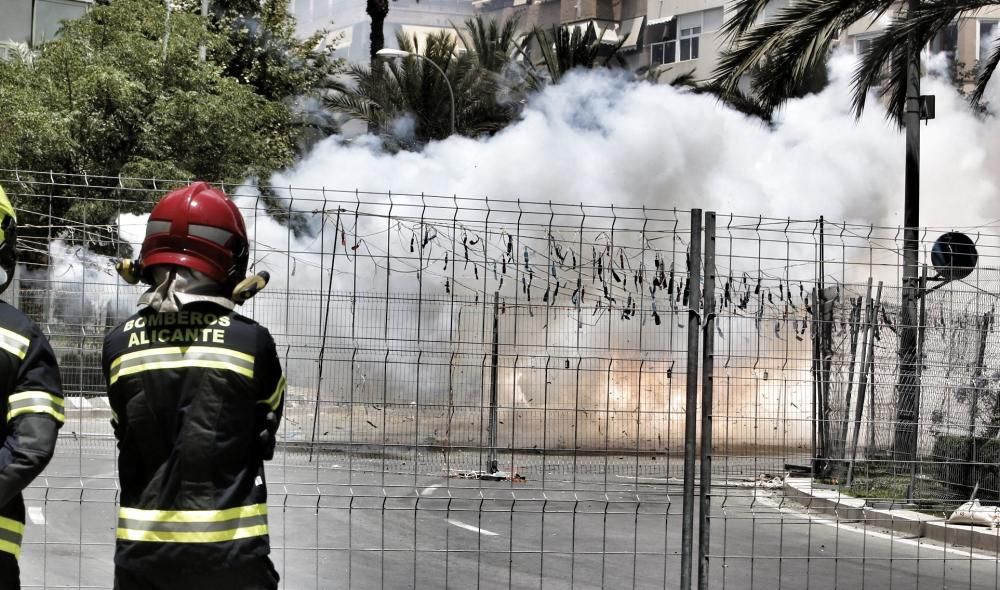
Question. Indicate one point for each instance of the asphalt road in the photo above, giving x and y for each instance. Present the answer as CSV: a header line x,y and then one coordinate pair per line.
x,y
362,528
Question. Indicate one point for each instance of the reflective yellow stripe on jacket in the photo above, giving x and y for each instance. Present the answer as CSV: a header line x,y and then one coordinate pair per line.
x,y
11,532
14,343
192,526
176,357
275,400
35,402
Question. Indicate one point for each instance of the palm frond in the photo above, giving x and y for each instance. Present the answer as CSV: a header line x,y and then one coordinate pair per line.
x,y
735,99
785,51
888,52
745,14
985,73
564,48
685,80
490,42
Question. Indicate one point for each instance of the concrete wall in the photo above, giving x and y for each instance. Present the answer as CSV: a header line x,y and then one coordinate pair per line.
x,y
663,8
540,14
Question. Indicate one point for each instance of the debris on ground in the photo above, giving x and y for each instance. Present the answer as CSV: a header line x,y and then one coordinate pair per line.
x,y
487,476
975,513
764,480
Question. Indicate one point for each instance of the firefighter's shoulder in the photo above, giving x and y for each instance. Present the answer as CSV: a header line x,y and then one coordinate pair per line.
x,y
17,330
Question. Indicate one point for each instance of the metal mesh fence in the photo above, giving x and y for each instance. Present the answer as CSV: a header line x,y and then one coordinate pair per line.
x,y
502,394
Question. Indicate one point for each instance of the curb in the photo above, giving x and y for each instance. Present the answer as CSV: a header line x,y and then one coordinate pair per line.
x,y
909,523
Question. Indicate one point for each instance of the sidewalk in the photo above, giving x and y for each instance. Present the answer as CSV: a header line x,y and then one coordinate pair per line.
x,y
906,523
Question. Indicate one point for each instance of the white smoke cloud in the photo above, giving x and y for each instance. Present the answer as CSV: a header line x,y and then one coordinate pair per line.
x,y
599,138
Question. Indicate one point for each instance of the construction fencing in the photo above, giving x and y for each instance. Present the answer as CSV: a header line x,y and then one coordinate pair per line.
x,y
504,394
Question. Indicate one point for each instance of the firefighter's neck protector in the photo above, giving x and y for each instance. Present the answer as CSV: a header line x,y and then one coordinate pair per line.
x,y
8,240
177,286
182,285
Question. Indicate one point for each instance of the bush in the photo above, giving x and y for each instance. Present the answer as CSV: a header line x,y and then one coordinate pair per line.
x,y
960,462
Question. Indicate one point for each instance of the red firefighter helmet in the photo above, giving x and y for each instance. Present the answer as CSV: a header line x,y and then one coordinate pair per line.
x,y
197,227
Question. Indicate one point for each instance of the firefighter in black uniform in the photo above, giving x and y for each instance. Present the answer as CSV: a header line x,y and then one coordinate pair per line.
x,y
32,409
196,392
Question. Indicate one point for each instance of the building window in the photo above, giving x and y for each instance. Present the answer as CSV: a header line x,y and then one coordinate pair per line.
x,y
945,41
689,42
863,43
987,37
665,51
681,37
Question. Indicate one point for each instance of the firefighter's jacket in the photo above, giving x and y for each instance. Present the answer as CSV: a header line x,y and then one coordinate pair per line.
x,y
189,394
33,412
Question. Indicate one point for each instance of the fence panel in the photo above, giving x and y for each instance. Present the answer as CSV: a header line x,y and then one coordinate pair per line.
x,y
494,394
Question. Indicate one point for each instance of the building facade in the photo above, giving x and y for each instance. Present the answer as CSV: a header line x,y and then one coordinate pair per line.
x,y
675,38
349,27
31,22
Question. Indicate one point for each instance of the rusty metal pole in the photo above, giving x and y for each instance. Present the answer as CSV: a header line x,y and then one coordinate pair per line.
x,y
867,362
707,367
857,329
690,410
908,387
491,457
911,492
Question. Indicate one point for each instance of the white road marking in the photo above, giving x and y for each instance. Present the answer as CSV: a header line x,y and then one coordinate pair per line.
x,y
108,475
651,479
469,527
921,543
36,515
430,489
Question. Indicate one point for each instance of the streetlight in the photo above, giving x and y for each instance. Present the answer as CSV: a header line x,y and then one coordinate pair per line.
x,y
387,53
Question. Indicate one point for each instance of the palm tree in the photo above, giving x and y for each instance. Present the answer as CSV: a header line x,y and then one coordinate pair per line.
x,y
564,48
407,102
499,54
377,10
492,43
784,51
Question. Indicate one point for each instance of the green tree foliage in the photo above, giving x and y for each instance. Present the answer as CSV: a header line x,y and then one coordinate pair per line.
x,y
122,92
783,54
262,49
